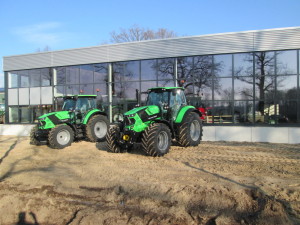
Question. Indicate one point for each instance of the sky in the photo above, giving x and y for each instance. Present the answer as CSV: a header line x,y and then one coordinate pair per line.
x,y
29,25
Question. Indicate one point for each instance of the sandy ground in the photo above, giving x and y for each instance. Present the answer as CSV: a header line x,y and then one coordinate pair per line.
x,y
224,183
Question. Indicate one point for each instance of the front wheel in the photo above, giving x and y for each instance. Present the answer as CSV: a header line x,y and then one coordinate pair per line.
x,y
34,139
190,131
112,138
156,139
61,136
97,128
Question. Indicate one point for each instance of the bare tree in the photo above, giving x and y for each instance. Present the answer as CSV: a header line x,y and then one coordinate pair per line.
x,y
137,33
45,49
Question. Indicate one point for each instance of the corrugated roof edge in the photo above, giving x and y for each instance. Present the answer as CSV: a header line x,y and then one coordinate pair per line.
x,y
156,40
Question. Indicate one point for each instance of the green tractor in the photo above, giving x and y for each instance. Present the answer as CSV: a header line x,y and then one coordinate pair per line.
x,y
79,118
166,116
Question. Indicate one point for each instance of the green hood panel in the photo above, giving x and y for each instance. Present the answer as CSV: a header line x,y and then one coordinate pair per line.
x,y
59,115
150,109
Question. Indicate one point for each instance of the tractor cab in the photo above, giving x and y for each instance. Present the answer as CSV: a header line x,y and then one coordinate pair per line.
x,y
170,100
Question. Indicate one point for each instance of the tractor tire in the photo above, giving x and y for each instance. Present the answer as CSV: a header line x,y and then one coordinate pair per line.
x,y
112,136
34,140
97,128
190,131
156,140
61,136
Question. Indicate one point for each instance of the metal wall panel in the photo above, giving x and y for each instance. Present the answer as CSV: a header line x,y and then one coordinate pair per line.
x,y
264,40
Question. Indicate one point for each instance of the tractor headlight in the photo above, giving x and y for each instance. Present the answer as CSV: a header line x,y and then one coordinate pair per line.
x,y
132,115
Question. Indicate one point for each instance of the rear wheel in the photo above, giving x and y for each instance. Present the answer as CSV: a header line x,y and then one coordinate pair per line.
x,y
190,131
61,136
112,136
156,139
97,128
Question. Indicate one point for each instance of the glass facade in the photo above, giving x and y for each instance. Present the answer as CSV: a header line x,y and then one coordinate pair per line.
x,y
254,88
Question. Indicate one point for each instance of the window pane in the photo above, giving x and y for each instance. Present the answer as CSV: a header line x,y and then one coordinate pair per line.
x,y
264,87
72,75
243,64
223,65
24,78
223,89
287,62
287,112
286,87
59,91
148,70
118,71
243,111
165,68
13,96
25,114
203,74
13,114
166,83
86,74
131,71
60,75
35,77
264,63
144,88
46,77
13,79
185,71
243,88
72,90
101,73
87,89
222,112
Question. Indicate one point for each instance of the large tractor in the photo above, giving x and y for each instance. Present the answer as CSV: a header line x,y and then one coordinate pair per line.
x,y
80,118
165,116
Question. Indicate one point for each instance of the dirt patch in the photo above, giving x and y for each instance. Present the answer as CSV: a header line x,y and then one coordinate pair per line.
x,y
214,183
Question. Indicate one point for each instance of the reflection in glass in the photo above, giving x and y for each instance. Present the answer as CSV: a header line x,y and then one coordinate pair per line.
x,y
165,69
59,91
131,71
286,62
185,71
224,90
24,78
87,89
144,88
13,79
243,111
148,71
25,114
286,87
264,63
243,64
86,74
72,75
222,112
46,77
13,114
101,73
287,112
223,65
243,90
60,76
72,90
202,74
35,77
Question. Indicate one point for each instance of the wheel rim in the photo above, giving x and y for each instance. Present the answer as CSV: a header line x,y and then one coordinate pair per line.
x,y
100,129
162,141
195,130
63,137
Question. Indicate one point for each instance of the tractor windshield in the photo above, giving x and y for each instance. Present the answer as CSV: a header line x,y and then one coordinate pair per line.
x,y
85,104
69,104
158,98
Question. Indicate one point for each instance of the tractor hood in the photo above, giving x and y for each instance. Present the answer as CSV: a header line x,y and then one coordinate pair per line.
x,y
59,115
50,120
149,109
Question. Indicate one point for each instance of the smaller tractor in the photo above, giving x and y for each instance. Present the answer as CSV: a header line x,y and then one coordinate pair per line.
x,y
79,118
165,116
